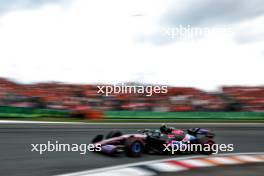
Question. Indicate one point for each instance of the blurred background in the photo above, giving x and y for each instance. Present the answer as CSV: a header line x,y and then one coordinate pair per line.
x,y
53,54
85,101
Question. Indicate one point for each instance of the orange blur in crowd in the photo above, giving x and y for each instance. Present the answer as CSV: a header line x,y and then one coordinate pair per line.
x,y
84,97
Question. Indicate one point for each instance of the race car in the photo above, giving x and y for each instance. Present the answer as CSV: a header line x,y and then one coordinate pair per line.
x,y
153,141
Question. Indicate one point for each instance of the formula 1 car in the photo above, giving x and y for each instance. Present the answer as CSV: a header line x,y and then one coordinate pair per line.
x,y
154,141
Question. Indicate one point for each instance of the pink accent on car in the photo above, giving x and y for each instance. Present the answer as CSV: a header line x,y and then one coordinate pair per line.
x,y
178,132
170,136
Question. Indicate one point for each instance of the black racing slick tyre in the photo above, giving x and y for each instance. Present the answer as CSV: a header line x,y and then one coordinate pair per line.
x,y
208,147
134,147
97,138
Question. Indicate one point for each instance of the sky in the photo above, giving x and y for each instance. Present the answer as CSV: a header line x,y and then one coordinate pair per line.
x,y
117,41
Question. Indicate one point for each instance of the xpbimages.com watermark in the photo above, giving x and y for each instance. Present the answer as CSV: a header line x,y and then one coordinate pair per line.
x,y
179,146
132,89
188,32
60,147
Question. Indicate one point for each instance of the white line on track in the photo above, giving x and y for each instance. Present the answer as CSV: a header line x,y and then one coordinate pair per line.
x,y
105,169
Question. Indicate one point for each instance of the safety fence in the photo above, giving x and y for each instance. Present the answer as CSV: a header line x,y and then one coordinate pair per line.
x,y
7,111
184,115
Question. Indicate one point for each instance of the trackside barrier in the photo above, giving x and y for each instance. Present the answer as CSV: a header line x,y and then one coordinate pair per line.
x,y
184,115
7,111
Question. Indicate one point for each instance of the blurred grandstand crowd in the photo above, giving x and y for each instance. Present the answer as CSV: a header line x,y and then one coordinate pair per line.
x,y
73,97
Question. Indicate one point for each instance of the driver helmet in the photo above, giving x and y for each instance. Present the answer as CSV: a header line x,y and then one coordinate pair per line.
x,y
163,128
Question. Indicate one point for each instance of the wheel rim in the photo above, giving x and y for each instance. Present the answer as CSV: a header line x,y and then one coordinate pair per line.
x,y
136,147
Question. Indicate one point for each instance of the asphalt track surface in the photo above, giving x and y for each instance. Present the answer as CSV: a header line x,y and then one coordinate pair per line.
x,y
16,158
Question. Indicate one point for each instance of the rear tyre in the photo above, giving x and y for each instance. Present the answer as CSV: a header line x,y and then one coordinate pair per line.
x,y
134,147
208,148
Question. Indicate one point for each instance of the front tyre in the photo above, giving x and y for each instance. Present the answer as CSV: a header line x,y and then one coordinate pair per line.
x,y
97,138
134,147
